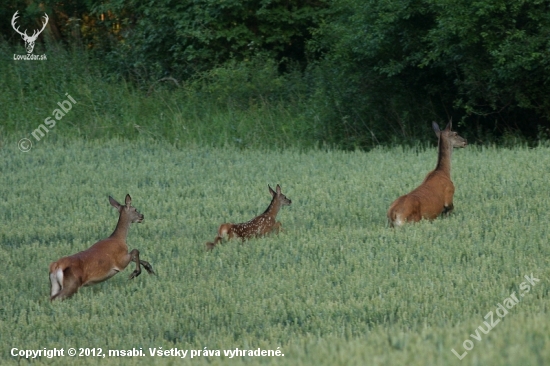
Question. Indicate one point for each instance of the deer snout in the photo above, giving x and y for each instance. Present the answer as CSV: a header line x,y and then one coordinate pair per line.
x,y
140,218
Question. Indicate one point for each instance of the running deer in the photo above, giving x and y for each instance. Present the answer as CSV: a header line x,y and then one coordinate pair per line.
x,y
435,195
258,226
101,261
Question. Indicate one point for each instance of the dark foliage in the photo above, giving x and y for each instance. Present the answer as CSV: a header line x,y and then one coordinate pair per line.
x,y
375,71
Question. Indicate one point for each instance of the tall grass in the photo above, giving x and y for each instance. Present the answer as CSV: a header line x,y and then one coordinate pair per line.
x,y
336,287
264,111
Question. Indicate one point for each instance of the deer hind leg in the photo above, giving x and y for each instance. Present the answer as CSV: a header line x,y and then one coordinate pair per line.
x,y
400,211
448,206
70,283
211,245
447,209
415,215
392,218
224,229
410,212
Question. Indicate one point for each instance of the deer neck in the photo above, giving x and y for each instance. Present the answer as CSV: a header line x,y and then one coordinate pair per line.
x,y
273,208
445,150
122,227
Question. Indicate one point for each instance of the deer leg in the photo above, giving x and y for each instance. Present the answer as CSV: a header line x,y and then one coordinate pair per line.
x,y
134,257
211,245
447,209
415,211
147,267
224,229
71,284
448,204
415,217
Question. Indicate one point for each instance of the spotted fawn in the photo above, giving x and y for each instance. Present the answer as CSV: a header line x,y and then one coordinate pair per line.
x,y
258,226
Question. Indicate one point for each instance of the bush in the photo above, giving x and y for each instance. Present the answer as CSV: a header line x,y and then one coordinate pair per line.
x,y
394,65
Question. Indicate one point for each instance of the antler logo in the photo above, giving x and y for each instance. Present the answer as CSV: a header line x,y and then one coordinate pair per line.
x,y
29,40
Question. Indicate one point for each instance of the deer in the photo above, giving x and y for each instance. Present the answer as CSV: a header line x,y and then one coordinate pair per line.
x,y
29,40
434,197
259,225
102,260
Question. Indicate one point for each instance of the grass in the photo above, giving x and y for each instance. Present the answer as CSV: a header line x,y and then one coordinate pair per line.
x,y
265,111
337,287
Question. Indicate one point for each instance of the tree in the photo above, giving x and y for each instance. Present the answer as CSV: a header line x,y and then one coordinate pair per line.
x,y
404,62
181,38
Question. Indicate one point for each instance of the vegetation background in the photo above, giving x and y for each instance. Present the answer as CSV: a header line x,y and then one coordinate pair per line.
x,y
195,107
345,73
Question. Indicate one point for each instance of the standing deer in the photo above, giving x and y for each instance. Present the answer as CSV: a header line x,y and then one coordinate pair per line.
x,y
101,261
435,195
258,226
29,40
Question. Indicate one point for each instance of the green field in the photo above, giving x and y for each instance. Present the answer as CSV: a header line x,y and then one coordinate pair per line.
x,y
336,287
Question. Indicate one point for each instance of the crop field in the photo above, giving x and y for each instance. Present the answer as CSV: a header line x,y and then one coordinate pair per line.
x,y
336,287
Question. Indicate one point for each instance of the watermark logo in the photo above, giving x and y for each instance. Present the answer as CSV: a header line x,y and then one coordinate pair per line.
x,y
501,311
25,144
29,40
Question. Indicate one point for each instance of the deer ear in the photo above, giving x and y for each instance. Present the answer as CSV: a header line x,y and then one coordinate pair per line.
x,y
278,188
449,125
271,191
114,203
128,200
435,126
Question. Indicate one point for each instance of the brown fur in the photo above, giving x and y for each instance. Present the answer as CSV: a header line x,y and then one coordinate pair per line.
x,y
101,261
258,226
435,195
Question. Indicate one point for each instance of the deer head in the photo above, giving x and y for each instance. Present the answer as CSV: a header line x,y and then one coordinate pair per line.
x,y
454,139
29,40
130,213
284,201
